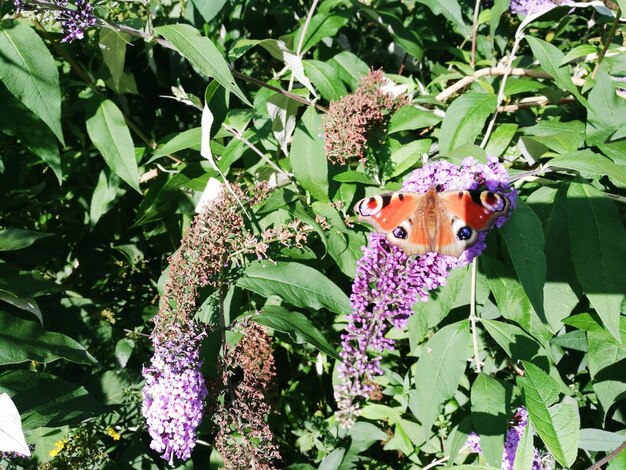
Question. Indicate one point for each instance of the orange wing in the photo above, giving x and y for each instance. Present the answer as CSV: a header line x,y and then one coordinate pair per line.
x,y
477,209
385,212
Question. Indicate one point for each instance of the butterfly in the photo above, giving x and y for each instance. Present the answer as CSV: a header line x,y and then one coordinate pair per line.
x,y
441,222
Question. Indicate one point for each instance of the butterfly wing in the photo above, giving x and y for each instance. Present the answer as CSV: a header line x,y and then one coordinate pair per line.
x,y
417,223
385,212
446,223
477,209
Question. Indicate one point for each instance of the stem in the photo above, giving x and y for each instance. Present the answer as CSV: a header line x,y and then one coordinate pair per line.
x,y
530,103
519,35
293,96
609,39
496,71
474,33
435,463
307,22
473,318
609,457
250,145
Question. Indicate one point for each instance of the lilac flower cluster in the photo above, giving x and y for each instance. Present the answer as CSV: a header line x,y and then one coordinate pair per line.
x,y
174,392
513,436
388,283
73,21
527,7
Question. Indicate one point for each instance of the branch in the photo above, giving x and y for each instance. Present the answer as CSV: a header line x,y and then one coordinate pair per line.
x,y
608,458
532,102
609,39
473,318
493,72
474,33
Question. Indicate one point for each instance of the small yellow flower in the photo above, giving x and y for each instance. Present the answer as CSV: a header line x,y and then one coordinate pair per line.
x,y
58,447
108,315
113,433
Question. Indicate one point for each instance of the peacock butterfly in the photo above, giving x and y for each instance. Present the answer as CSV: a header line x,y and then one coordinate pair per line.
x,y
441,222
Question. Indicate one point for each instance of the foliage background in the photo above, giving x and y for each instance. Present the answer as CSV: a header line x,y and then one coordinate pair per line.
x,y
100,171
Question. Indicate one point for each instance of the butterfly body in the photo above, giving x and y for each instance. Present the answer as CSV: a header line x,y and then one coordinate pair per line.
x,y
441,222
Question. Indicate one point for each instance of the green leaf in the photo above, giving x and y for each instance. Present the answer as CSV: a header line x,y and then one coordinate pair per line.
x,y
108,131
438,371
408,156
203,54
22,341
209,10
451,10
576,340
490,400
406,38
557,425
559,295
123,350
322,25
282,111
185,140
374,411
523,235
350,68
113,48
351,176
409,118
517,85
308,155
323,77
464,120
511,299
299,328
524,455
279,50
46,400
598,440
16,239
579,51
501,138
550,58
562,137
591,165
30,74
499,7
609,110
518,344
296,284
597,240
31,131
606,365
583,321
24,283
427,315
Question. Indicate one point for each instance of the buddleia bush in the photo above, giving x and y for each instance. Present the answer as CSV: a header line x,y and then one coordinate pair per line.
x,y
188,277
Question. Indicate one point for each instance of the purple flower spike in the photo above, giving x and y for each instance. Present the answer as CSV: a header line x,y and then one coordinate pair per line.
x,y
527,7
75,22
174,393
513,436
388,282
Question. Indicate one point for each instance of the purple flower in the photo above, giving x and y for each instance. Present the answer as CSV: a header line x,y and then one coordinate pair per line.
x,y
527,7
513,436
174,392
388,283
75,22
